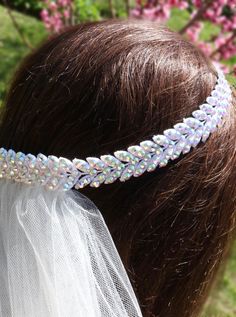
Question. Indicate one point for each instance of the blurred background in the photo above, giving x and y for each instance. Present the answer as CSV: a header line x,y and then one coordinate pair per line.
x,y
210,24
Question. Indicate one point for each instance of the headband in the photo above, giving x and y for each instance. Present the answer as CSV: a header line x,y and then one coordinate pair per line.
x,y
60,173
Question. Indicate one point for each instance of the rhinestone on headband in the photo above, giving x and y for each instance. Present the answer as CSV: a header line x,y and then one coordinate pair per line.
x,y
61,173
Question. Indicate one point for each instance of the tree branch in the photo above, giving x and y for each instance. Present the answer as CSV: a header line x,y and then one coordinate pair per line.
x,y
16,26
197,16
219,49
127,6
112,9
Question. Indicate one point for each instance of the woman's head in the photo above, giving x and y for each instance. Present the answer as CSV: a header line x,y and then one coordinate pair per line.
x,y
100,87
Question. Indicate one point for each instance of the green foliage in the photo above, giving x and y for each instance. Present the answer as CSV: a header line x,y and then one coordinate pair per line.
x,y
12,49
91,10
119,8
178,19
86,10
31,6
222,302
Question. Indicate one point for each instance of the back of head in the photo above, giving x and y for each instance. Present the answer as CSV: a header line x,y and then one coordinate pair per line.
x,y
100,87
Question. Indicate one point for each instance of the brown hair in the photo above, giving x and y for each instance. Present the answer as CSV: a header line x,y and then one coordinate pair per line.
x,y
100,87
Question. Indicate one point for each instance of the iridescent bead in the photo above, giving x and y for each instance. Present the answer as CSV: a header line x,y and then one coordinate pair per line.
x,y
52,183
95,183
30,160
148,146
71,179
107,170
187,148
151,166
66,186
126,157
19,158
116,174
67,169
159,150
127,173
224,104
42,162
200,115
10,157
216,94
180,144
53,164
42,180
109,180
157,158
211,100
172,134
93,172
221,81
83,181
98,180
137,151
82,165
95,163
183,128
140,168
205,135
163,162
210,125
196,139
192,122
111,160
161,140
221,112
175,155
112,177
207,108
220,88
170,151
3,154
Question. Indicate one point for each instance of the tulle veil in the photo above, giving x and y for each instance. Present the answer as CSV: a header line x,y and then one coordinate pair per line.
x,y
57,258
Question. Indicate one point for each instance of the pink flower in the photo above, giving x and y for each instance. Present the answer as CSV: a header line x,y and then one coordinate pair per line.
x,y
53,6
226,46
150,14
210,14
44,14
179,4
205,47
66,14
194,31
57,14
64,3
135,13
219,41
160,13
197,3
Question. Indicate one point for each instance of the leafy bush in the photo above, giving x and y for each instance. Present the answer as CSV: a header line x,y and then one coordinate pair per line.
x,y
32,7
86,10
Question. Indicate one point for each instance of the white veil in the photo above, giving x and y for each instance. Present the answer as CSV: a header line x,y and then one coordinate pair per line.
x,y
57,258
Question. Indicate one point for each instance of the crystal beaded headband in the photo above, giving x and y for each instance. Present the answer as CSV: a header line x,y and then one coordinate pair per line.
x,y
61,173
